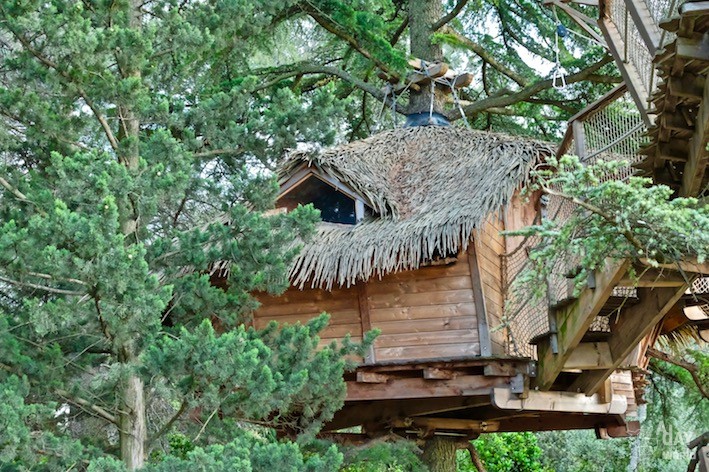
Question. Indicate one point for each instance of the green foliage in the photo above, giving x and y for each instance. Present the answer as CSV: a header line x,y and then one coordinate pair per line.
x,y
505,452
612,219
580,451
136,149
248,452
399,456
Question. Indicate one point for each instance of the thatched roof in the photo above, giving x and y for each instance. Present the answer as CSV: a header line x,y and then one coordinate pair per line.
x,y
430,186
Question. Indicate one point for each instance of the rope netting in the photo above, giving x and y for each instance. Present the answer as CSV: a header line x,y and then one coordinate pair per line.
x,y
614,132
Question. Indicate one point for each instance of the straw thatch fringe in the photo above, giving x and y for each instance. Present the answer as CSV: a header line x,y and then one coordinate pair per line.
x,y
431,187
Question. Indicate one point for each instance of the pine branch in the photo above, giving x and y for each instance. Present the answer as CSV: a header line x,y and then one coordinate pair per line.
x,y
54,66
691,368
596,210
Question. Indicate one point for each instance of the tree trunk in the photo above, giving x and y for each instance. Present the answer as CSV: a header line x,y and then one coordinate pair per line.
x,y
423,14
439,454
132,423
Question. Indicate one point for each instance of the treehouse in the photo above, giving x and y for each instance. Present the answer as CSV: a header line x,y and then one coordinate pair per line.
x,y
411,245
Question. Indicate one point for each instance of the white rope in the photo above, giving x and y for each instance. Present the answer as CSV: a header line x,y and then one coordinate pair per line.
x,y
384,102
457,101
430,109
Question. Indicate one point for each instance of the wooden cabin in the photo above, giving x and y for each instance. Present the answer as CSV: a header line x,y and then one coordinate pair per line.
x,y
411,245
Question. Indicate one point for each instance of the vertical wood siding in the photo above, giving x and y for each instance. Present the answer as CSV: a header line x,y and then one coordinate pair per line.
x,y
490,246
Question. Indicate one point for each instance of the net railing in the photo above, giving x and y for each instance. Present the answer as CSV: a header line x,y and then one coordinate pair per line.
x,y
613,132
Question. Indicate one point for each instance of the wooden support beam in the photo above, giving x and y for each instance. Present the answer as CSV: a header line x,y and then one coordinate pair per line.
x,y
696,166
686,86
465,385
479,300
371,377
433,373
589,356
693,48
566,402
628,70
634,323
579,139
574,320
651,277
365,320
384,411
449,424
645,24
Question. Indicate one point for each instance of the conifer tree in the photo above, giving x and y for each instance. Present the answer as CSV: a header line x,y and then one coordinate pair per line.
x,y
135,154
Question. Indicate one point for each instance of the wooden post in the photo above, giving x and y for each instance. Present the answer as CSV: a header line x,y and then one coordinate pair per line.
x,y
370,357
579,139
479,300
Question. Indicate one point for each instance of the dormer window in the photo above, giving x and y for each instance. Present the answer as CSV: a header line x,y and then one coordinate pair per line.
x,y
336,202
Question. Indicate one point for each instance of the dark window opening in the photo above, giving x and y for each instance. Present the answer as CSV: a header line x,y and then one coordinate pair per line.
x,y
334,206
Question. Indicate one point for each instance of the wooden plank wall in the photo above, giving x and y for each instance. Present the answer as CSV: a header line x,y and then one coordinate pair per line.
x,y
428,313
301,305
490,246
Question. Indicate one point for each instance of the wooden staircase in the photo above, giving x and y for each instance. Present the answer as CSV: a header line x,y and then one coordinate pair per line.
x,y
588,359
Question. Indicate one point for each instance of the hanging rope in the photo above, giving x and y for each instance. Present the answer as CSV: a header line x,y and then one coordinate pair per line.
x,y
558,74
561,31
387,90
457,101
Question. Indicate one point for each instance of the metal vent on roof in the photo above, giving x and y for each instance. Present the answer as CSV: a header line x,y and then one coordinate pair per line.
x,y
426,119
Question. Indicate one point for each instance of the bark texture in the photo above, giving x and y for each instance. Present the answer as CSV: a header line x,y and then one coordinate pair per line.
x,y
132,424
423,14
439,454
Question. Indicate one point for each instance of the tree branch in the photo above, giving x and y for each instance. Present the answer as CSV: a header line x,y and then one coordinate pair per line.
x,y
594,209
527,92
691,368
335,29
217,152
485,56
166,427
10,188
59,291
85,404
308,68
475,457
449,16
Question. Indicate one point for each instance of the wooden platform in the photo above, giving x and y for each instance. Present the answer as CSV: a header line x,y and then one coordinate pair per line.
x,y
467,397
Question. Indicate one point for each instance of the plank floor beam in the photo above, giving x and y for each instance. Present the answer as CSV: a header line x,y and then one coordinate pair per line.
x,y
401,388
573,321
634,323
